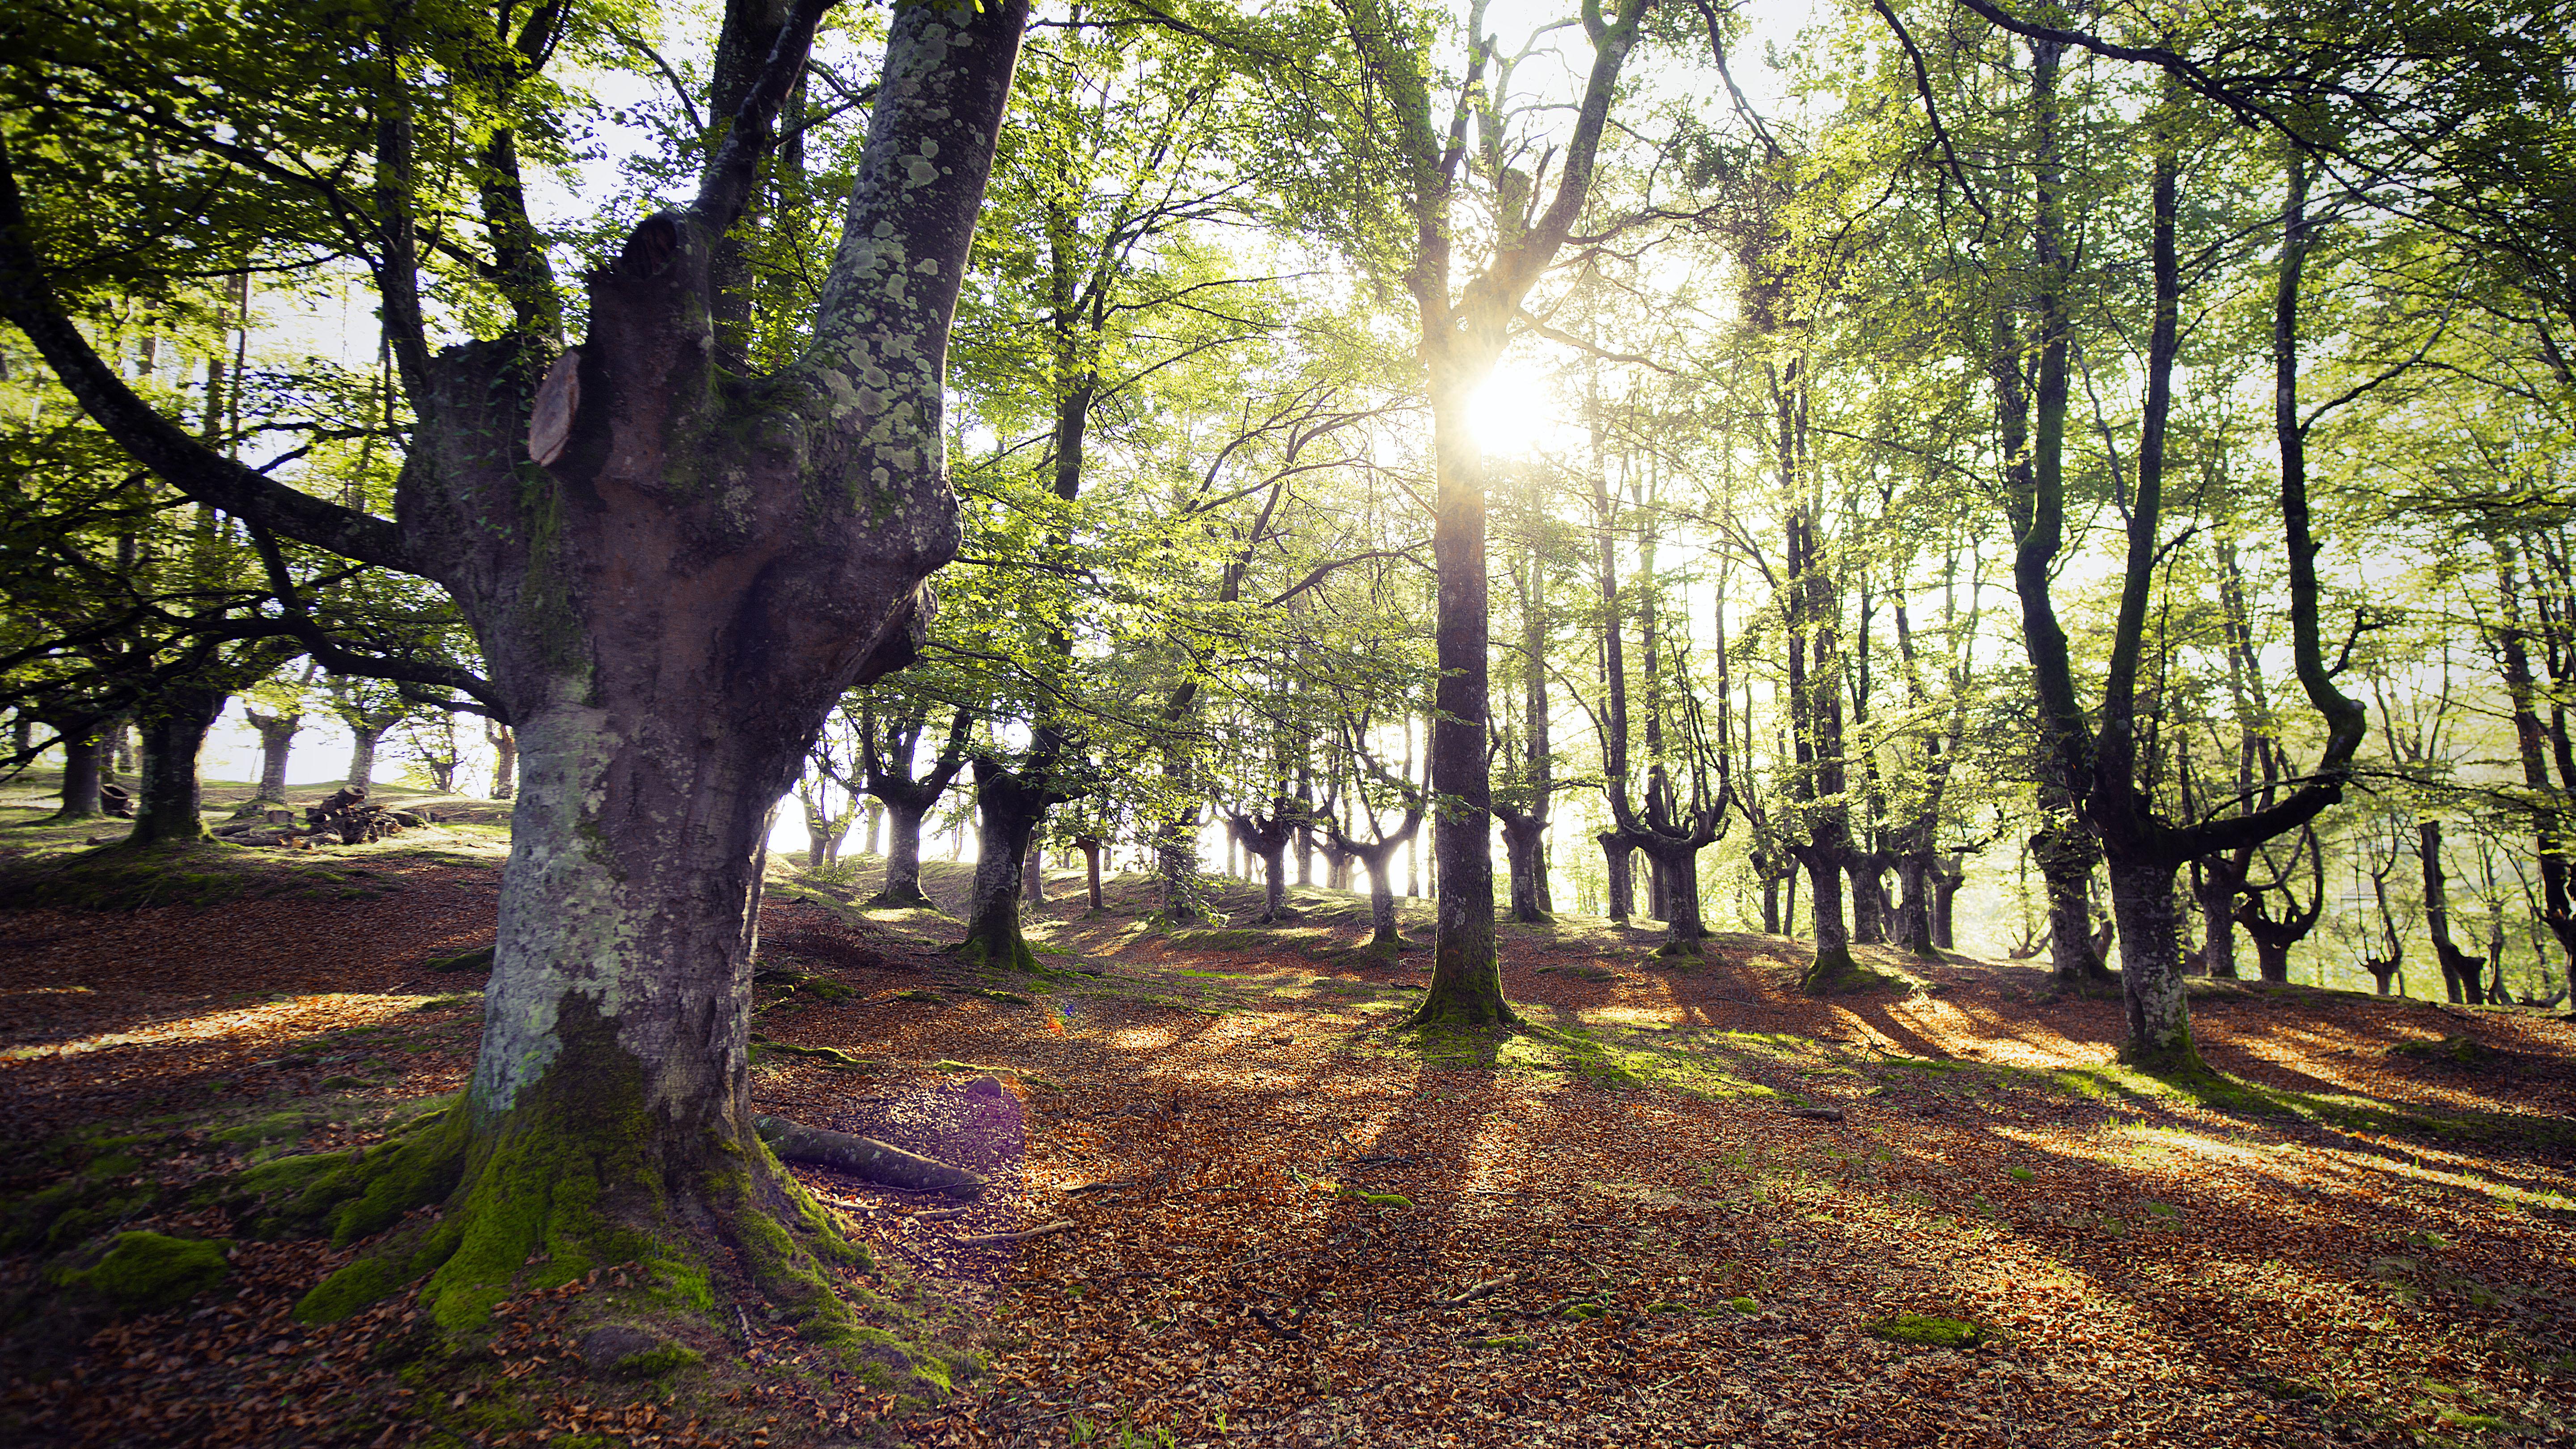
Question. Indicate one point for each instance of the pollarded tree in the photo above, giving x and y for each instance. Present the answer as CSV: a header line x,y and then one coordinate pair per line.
x,y
672,569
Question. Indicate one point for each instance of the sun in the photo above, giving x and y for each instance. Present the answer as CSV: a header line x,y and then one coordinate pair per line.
x,y
1515,412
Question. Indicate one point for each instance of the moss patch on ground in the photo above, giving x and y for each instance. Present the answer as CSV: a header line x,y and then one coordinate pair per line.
x,y
1924,1331
144,1271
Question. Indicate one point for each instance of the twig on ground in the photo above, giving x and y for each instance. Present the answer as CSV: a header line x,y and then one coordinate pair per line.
x,y
1485,1289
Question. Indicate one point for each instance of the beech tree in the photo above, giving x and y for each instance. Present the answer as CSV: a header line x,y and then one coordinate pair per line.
x,y
673,568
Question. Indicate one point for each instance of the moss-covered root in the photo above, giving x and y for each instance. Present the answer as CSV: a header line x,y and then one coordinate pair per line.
x,y
997,951
146,1271
579,1176
1835,972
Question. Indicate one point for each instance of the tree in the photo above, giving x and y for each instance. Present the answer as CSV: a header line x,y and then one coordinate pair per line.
x,y
1412,227
673,571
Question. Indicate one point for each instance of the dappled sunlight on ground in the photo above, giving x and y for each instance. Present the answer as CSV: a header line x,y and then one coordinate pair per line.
x,y
1296,1224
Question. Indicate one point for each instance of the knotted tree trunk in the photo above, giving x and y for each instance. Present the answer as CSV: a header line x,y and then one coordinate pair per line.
x,y
673,571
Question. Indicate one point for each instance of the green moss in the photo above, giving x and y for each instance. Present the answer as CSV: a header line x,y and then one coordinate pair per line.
x,y
653,1363
1926,1332
146,1271
1744,1303
2458,1051
1836,973
478,959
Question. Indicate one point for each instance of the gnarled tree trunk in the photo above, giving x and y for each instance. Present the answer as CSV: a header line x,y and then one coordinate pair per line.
x,y
173,724
276,737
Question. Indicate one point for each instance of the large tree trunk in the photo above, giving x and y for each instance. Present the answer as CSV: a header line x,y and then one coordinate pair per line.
x,y
276,737
1618,861
1833,961
2151,975
1008,807
2065,855
1915,932
174,725
80,774
902,857
1466,975
1522,838
672,572
1677,864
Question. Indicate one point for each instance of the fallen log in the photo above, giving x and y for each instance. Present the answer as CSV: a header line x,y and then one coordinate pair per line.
x,y
866,1157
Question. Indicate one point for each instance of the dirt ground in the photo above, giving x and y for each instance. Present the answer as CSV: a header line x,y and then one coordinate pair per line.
x,y
1668,1212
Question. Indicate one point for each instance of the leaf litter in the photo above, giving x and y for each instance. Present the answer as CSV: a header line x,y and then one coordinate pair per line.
x,y
1294,1223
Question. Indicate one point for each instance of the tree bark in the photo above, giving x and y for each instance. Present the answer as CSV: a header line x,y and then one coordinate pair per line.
x,y
1089,845
366,732
1523,837
903,858
1915,933
2142,901
1868,873
2221,879
1677,865
2463,972
80,774
1618,860
1008,807
173,725
505,759
276,736
1948,878
1833,961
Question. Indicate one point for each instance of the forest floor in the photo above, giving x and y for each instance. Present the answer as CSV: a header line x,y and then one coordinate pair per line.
x,y
1295,1223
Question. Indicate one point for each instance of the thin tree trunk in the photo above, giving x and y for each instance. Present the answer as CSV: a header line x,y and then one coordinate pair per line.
x,y
2222,879
505,761
1522,835
2463,974
1089,845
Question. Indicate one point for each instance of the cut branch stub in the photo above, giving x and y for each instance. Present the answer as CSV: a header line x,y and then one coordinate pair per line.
x,y
558,399
866,1157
